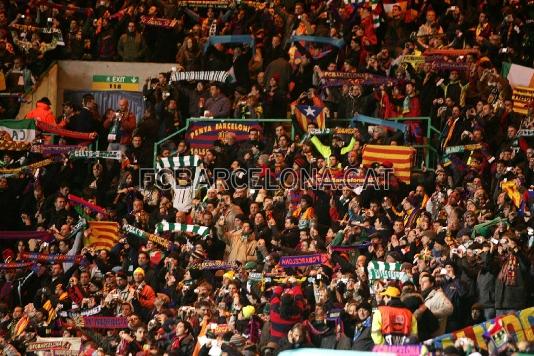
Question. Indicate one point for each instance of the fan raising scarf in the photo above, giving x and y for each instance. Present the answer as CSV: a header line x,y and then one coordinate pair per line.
x,y
175,227
508,273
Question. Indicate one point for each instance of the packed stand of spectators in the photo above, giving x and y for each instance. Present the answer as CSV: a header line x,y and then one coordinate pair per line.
x,y
461,233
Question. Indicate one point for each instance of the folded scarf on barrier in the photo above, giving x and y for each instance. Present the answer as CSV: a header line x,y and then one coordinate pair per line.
x,y
159,22
206,75
80,201
116,155
30,167
145,235
52,258
336,42
26,235
176,227
244,39
214,264
304,260
63,132
53,150
8,145
101,322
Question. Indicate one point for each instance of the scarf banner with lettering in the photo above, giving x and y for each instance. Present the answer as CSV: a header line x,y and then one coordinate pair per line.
x,y
15,265
244,39
405,350
145,235
384,270
176,227
116,155
339,78
210,76
217,4
304,260
349,248
53,258
101,322
9,145
451,52
517,326
462,148
77,227
26,235
29,167
63,132
70,346
522,97
201,135
213,264
159,22
334,131
48,346
93,207
77,312
18,130
336,42
53,150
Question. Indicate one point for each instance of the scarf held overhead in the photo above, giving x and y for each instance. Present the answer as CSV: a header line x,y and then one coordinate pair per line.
x,y
116,155
145,235
210,76
301,261
93,207
176,227
159,22
63,132
26,235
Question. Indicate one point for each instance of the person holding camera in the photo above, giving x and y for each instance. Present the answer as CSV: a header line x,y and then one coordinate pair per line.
x,y
120,127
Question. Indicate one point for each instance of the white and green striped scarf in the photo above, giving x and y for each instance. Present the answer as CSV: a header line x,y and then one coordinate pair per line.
x,y
176,227
383,270
181,161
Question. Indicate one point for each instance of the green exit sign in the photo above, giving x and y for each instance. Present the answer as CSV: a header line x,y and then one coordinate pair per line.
x,y
115,82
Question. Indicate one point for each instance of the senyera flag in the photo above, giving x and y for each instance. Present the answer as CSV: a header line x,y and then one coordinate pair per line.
x,y
104,235
400,156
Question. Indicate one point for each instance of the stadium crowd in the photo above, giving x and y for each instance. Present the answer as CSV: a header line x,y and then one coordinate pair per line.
x,y
217,276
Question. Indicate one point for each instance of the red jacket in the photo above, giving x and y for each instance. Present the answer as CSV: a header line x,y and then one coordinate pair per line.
x,y
43,113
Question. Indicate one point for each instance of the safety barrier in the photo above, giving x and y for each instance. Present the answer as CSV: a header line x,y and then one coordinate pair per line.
x,y
425,153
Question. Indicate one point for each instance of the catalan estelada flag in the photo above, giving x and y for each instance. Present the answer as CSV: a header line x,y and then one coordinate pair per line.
x,y
306,114
400,156
104,235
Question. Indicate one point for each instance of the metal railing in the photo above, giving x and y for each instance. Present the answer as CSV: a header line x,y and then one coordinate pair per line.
x,y
425,153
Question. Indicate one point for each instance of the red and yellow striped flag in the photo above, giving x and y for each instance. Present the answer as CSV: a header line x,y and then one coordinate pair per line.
x,y
400,156
103,235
